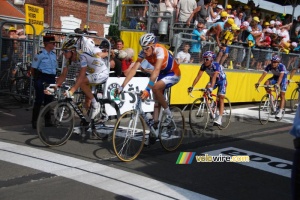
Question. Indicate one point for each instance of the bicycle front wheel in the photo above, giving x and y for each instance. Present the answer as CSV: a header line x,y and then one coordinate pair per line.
x,y
226,117
265,110
129,136
294,100
171,136
198,116
55,123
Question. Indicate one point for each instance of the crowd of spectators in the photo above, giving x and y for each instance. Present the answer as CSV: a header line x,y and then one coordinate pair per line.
x,y
238,25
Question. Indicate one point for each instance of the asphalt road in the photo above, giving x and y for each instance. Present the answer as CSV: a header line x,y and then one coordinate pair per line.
x,y
88,169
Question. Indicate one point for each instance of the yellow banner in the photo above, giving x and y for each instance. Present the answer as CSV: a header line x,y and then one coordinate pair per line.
x,y
131,40
35,16
240,85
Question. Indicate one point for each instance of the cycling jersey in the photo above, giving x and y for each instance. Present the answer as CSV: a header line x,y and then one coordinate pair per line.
x,y
221,82
97,71
169,63
211,70
276,73
94,64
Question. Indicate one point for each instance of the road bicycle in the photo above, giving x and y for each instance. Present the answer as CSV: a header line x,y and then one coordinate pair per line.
x,y
269,104
294,97
56,121
130,134
21,87
204,110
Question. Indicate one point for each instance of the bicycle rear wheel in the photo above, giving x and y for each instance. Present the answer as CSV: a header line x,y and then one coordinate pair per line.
x,y
198,116
104,123
20,89
171,136
55,123
129,136
226,117
265,110
294,100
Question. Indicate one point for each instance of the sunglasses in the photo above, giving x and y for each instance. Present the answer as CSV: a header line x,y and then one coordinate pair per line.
x,y
201,27
146,48
207,59
66,51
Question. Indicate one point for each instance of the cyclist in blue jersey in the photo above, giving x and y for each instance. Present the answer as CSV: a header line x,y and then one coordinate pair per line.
x,y
217,80
279,78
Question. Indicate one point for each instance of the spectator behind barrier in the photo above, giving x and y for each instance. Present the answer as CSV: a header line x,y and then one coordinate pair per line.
x,y
184,56
199,35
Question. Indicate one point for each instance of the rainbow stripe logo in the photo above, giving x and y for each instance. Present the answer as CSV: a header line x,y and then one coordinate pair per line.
x,y
185,157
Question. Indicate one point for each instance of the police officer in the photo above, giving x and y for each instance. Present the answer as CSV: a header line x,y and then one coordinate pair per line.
x,y
43,71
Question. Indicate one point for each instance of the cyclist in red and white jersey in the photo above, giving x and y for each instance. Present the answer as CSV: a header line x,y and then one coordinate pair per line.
x,y
164,72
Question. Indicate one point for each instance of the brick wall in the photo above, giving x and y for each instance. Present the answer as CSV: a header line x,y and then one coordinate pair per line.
x,y
78,8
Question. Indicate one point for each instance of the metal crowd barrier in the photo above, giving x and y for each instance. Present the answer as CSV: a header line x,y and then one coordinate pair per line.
x,y
16,53
240,56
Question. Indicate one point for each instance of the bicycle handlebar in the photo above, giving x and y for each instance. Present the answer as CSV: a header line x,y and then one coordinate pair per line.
x,y
265,86
202,90
138,94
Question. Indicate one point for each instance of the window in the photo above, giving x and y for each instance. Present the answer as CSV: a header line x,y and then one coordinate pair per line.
x,y
111,8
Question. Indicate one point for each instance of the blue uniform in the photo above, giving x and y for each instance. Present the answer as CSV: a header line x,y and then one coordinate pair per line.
x,y
46,64
221,82
276,73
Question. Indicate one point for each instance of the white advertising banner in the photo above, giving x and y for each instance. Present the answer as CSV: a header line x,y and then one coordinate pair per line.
x,y
130,100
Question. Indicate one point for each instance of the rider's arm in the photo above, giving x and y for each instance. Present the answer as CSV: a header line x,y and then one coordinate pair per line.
x,y
292,73
197,78
80,79
131,73
214,78
262,77
156,70
280,78
62,77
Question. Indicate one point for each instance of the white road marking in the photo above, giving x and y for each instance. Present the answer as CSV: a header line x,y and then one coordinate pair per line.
x,y
252,112
258,161
5,113
107,178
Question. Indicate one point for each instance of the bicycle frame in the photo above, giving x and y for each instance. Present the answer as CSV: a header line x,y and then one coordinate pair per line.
x,y
273,102
206,97
139,111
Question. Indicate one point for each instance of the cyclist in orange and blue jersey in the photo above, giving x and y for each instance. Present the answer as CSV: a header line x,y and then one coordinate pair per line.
x,y
164,72
279,79
217,79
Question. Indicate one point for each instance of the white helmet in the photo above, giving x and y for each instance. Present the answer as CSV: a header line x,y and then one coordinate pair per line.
x,y
147,39
87,45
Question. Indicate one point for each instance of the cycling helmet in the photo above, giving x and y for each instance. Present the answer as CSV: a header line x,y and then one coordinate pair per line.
x,y
147,39
275,58
69,44
209,54
87,45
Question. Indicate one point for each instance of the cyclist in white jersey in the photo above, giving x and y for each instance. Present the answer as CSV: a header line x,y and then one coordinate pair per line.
x,y
93,69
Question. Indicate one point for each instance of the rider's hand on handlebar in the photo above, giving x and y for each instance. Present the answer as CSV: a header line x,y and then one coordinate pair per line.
x,y
256,85
190,89
118,91
68,94
277,86
145,94
210,89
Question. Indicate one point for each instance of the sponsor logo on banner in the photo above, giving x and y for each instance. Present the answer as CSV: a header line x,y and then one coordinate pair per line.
x,y
128,100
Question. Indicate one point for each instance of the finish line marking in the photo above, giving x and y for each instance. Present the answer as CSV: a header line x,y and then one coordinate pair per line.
x,y
107,178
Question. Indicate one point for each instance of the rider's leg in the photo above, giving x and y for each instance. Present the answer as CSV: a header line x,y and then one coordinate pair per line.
x,y
158,89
